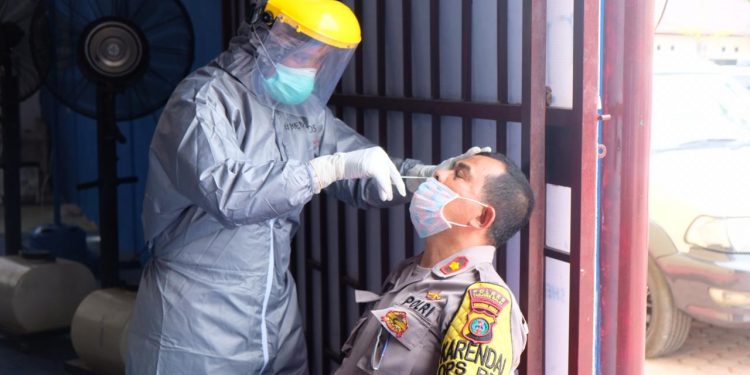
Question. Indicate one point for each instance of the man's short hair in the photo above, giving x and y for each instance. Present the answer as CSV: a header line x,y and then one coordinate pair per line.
x,y
511,196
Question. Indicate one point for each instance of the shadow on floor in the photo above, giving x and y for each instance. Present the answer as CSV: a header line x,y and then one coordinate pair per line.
x,y
40,354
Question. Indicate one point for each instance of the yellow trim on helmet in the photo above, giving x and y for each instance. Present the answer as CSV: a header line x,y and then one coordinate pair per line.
x,y
328,21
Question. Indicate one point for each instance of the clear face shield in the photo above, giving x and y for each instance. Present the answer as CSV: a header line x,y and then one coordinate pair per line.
x,y
296,73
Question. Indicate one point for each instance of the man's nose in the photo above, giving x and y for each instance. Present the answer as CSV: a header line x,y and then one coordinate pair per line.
x,y
442,174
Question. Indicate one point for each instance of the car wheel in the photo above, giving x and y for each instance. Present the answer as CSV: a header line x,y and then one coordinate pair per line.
x,y
667,327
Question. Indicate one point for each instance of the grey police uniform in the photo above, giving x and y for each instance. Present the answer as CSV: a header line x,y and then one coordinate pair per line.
x,y
402,331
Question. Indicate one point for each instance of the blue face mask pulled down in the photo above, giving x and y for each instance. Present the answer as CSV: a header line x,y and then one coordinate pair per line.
x,y
291,85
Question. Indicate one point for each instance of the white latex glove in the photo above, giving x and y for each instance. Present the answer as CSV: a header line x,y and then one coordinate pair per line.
x,y
426,171
370,162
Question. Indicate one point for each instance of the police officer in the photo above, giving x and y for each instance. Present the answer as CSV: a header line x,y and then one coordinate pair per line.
x,y
447,311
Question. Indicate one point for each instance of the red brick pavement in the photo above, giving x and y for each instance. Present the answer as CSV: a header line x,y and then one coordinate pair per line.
x,y
708,350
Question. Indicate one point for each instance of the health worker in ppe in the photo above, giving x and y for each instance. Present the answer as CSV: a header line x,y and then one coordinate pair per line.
x,y
242,145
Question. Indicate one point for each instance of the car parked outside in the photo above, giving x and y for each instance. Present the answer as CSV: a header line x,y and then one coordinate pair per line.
x,y
699,203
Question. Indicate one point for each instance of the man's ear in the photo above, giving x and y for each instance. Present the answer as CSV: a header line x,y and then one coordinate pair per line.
x,y
485,219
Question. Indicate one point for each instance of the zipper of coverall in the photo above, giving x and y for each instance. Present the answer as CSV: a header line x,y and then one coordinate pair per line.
x,y
269,275
266,296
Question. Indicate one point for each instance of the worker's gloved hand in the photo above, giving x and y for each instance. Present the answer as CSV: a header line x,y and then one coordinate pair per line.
x,y
426,171
370,162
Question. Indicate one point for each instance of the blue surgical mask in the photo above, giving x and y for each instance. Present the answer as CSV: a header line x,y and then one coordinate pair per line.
x,y
291,85
427,204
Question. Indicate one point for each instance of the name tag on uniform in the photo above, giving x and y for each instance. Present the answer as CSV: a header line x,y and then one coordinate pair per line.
x,y
419,305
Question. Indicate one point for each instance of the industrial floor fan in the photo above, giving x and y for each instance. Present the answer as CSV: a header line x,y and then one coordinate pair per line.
x,y
116,60
113,60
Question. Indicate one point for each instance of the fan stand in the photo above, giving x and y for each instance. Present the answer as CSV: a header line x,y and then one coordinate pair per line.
x,y
106,141
10,36
107,138
112,53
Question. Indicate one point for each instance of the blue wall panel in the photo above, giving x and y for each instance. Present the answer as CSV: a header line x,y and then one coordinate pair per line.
x,y
78,139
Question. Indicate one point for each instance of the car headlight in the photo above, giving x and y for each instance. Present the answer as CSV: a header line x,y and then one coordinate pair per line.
x,y
729,234
729,297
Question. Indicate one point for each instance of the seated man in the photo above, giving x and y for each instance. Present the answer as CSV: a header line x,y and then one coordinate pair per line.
x,y
447,311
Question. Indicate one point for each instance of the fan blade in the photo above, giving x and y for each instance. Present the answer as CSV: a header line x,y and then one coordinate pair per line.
x,y
121,8
83,18
162,24
136,15
96,8
155,50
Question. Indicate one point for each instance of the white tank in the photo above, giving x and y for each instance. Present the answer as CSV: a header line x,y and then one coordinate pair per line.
x,y
39,295
100,330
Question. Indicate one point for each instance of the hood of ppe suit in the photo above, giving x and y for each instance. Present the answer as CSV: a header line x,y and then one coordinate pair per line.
x,y
239,59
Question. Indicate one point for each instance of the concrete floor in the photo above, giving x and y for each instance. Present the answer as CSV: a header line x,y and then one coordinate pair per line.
x,y
37,355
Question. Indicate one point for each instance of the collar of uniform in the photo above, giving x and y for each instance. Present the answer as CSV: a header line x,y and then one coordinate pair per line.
x,y
463,261
408,273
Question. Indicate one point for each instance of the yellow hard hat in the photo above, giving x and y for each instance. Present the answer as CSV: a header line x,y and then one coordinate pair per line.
x,y
328,21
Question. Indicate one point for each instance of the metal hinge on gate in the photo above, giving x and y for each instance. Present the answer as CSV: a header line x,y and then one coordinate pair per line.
x,y
601,149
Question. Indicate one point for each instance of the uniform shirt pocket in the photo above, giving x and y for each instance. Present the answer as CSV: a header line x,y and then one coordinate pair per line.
x,y
402,336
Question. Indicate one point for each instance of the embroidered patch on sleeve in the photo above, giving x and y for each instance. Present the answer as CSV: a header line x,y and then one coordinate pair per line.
x,y
478,339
